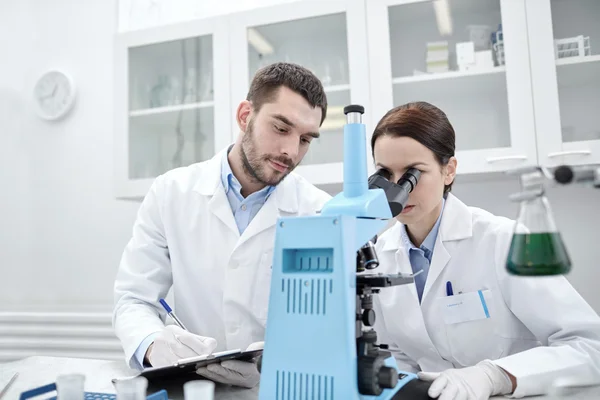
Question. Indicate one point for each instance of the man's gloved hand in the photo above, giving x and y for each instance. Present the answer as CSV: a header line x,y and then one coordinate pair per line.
x,y
234,372
174,343
472,383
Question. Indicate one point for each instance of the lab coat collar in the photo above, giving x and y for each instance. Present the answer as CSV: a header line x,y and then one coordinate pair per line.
x,y
282,202
456,224
286,198
457,220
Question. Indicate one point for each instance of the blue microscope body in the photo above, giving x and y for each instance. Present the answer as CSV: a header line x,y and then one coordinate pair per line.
x,y
315,347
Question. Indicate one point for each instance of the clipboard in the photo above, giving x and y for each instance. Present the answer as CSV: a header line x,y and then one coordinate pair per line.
x,y
188,366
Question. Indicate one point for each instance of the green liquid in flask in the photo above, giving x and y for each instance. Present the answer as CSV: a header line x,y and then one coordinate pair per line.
x,y
538,254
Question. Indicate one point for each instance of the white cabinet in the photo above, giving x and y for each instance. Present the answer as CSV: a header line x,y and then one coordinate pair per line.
x,y
171,101
327,37
565,65
486,95
513,100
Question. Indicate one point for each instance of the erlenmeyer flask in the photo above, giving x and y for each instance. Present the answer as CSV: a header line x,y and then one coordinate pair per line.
x,y
537,247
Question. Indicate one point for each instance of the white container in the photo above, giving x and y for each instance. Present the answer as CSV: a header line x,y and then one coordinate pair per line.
x,y
199,390
484,59
131,389
465,54
70,387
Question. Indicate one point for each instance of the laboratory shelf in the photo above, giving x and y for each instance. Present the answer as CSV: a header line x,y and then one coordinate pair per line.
x,y
450,75
171,109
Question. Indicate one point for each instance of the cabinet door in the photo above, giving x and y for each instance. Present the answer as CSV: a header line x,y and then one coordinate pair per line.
x,y
171,99
483,87
565,62
327,37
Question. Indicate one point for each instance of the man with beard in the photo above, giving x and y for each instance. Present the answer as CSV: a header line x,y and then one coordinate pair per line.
x,y
206,233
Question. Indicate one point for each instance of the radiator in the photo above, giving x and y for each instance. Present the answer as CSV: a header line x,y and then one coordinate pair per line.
x,y
59,334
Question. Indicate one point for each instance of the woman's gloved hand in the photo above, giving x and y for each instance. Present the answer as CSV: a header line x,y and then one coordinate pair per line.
x,y
479,382
174,343
234,372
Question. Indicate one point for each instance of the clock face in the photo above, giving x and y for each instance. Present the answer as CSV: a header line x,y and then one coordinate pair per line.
x,y
54,95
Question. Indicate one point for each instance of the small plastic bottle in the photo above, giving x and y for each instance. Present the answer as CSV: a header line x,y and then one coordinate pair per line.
x,y
70,386
199,390
132,389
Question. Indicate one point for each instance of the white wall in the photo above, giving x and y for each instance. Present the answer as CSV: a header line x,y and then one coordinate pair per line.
x,y
61,231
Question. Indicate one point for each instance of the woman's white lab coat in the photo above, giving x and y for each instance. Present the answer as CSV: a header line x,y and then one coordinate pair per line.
x,y
185,235
538,329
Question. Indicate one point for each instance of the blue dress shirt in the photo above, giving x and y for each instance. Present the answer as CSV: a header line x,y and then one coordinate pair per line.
x,y
243,209
420,257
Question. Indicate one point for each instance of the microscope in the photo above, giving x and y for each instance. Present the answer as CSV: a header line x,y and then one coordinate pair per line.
x,y
319,341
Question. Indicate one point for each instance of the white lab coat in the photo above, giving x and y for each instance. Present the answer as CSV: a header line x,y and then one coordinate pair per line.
x,y
185,235
539,328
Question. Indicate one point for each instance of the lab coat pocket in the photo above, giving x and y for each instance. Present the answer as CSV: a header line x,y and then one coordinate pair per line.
x,y
470,321
262,286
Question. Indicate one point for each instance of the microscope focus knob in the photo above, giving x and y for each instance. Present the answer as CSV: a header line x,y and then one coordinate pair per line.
x,y
368,317
388,377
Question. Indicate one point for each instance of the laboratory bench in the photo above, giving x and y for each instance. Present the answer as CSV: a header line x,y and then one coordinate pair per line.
x,y
39,371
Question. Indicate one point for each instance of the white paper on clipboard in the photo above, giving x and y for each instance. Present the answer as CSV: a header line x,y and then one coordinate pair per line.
x,y
206,357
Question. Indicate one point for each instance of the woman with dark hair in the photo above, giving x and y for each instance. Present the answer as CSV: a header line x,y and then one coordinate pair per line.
x,y
466,324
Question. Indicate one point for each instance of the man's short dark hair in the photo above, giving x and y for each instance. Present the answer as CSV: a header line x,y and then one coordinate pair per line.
x,y
269,79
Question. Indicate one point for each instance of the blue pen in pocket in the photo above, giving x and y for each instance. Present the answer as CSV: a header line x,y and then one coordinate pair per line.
x,y
449,291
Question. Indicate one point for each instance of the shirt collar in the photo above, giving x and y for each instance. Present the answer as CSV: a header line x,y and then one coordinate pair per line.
x,y
230,182
429,242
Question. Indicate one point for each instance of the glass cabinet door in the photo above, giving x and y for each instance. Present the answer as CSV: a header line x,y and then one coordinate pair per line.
x,y
319,44
468,58
575,56
171,106
171,93
319,38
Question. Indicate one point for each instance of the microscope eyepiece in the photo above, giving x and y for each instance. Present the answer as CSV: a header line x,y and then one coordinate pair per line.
x,y
396,193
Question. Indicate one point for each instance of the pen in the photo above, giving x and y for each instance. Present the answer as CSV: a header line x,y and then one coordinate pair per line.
x,y
449,291
172,314
8,385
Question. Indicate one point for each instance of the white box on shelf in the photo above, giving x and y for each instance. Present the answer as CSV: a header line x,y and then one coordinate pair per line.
x,y
437,51
437,66
465,53
433,56
484,59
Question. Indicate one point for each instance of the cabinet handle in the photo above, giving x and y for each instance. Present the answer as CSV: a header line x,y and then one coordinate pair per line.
x,y
570,153
492,160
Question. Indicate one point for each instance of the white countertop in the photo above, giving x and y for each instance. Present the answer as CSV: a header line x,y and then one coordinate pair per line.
x,y
39,371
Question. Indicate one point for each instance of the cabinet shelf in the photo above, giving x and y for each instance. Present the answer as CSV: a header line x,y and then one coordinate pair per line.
x,y
170,109
450,75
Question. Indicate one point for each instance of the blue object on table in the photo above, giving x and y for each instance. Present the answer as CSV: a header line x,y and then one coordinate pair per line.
x,y
160,395
311,344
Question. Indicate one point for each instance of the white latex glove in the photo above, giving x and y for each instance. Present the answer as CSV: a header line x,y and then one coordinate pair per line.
x,y
472,383
234,372
174,343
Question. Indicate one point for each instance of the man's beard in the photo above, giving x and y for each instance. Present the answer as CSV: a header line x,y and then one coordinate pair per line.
x,y
254,164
